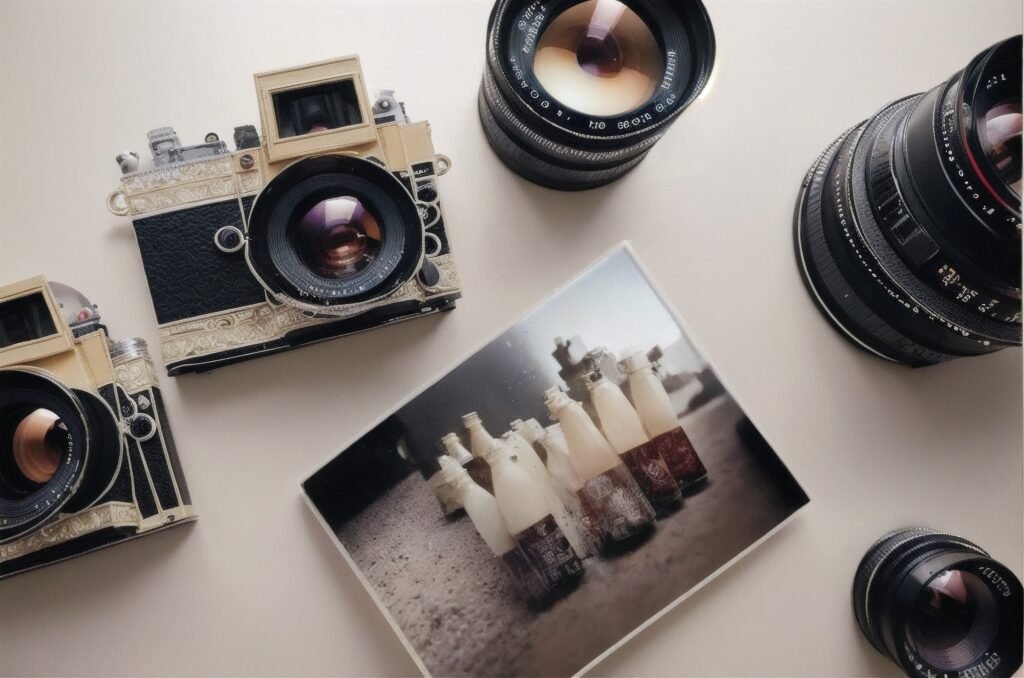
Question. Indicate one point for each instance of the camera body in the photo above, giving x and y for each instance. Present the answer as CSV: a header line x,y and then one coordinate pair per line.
x,y
87,459
236,266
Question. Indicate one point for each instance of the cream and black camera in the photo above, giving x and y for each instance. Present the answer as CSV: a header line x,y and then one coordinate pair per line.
x,y
86,454
330,224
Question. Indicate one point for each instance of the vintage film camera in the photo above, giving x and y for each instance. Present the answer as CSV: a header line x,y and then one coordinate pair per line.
x,y
330,225
86,454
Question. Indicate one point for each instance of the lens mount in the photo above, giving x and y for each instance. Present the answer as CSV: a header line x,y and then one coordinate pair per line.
x,y
25,503
936,603
344,266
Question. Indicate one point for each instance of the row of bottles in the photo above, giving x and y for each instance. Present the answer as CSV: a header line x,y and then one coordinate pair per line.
x,y
572,489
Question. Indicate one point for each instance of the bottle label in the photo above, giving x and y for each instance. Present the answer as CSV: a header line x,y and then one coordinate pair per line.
x,y
549,552
652,475
615,505
676,449
528,582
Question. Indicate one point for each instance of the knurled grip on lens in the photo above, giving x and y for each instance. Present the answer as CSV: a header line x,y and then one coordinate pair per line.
x,y
537,169
831,288
924,250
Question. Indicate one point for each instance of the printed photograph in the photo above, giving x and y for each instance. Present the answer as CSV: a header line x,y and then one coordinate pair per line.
x,y
533,508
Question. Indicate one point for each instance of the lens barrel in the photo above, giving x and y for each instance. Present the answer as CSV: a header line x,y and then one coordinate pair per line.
x,y
937,604
603,48
333,230
908,235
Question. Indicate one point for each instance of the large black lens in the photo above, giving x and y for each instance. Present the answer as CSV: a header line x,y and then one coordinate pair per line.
x,y
908,226
334,230
938,604
575,93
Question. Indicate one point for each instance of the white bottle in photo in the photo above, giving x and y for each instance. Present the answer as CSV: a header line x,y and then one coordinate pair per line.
x,y
626,433
529,519
567,484
660,421
527,458
610,496
486,517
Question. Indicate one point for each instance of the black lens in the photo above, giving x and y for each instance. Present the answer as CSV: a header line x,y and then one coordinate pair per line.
x,y
334,230
575,93
907,231
937,603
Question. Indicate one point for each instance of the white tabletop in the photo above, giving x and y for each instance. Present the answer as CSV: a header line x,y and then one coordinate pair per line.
x,y
256,587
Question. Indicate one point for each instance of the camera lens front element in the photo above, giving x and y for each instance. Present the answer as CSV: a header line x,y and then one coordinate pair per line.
x,y
338,237
1000,135
600,58
954,620
39,441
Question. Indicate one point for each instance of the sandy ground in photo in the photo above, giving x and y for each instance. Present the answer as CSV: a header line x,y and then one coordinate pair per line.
x,y
453,601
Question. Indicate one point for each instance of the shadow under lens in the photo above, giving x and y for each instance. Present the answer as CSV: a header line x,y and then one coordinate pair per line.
x,y
599,58
954,621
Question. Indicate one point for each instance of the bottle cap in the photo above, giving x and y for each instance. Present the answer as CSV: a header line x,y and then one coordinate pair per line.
x,y
450,469
532,431
556,399
635,361
471,418
594,379
453,447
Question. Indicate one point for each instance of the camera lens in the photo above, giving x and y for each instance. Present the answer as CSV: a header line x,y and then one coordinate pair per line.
x,y
60,450
337,237
907,229
937,603
332,230
575,93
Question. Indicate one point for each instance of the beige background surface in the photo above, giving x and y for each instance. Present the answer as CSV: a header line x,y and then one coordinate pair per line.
x,y
256,587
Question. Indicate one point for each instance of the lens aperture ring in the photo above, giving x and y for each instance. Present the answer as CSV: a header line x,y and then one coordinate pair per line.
x,y
538,169
559,154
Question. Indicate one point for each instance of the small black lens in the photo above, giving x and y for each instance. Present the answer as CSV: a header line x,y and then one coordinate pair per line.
x,y
907,228
575,93
936,603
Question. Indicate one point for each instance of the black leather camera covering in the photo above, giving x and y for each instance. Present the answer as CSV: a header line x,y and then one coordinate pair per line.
x,y
188,276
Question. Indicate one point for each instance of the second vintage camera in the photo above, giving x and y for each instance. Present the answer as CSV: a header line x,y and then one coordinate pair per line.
x,y
87,459
328,225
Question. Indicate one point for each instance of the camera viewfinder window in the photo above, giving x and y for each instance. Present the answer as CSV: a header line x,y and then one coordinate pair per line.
x,y
316,109
25,319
